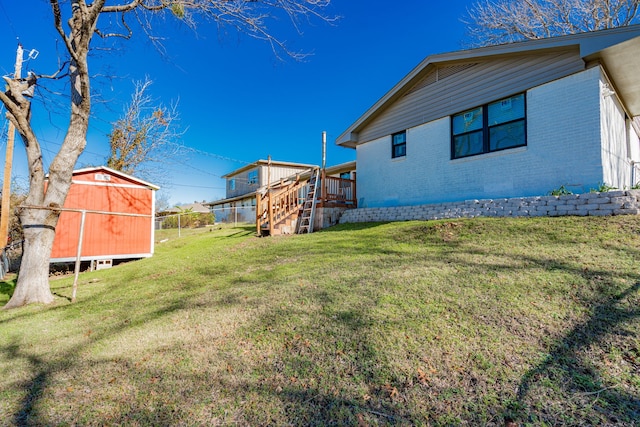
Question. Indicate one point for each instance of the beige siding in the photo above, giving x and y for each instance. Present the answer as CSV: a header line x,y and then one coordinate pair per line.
x,y
458,87
241,177
242,184
277,173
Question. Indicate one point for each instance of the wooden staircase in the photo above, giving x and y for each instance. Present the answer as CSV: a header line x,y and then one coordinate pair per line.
x,y
305,219
289,207
277,210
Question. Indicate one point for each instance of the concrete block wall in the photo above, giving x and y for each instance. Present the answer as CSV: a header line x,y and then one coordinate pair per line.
x,y
587,204
327,217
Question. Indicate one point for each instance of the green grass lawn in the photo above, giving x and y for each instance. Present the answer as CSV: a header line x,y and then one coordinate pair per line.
x,y
459,322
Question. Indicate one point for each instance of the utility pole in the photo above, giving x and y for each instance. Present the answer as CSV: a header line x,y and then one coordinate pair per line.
x,y
269,196
324,149
6,184
323,176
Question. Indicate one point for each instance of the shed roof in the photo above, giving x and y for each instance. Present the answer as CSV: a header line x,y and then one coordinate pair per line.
x,y
618,50
116,173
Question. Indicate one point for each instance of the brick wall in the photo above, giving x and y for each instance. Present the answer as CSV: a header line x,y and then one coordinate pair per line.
x,y
563,148
587,204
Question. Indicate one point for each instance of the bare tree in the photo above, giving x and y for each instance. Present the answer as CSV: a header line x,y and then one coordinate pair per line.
x,y
506,21
40,213
17,196
162,201
145,137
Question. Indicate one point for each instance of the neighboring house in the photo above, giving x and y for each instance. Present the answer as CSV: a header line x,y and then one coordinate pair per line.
x,y
170,211
167,217
195,207
118,218
243,184
512,120
271,194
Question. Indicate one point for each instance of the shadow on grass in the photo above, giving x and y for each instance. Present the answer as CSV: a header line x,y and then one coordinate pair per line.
x,y
43,372
245,231
7,288
315,407
566,369
355,226
347,339
34,388
62,296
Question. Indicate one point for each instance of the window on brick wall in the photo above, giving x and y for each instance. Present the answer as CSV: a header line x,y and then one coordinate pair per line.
x,y
398,144
492,127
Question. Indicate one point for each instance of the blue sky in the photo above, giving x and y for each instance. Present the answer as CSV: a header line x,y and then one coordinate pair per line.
x,y
238,101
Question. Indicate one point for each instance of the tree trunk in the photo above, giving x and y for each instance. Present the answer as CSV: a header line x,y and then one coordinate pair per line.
x,y
39,224
33,280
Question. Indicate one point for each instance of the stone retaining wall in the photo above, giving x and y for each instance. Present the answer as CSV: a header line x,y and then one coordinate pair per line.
x,y
593,204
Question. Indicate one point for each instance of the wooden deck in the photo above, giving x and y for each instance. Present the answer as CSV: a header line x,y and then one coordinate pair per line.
x,y
278,209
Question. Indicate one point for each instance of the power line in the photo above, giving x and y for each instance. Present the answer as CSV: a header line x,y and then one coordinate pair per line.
x,y
196,169
197,186
6,15
218,156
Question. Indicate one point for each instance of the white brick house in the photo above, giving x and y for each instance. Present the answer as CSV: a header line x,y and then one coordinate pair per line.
x,y
505,121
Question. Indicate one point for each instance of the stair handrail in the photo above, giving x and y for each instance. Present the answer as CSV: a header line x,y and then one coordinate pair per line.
x,y
284,203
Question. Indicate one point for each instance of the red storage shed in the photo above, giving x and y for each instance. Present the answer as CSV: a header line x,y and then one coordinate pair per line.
x,y
119,217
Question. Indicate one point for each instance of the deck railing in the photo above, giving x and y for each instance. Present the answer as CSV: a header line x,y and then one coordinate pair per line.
x,y
277,205
338,192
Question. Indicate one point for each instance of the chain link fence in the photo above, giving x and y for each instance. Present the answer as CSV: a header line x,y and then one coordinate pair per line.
x,y
166,228
235,215
183,224
10,257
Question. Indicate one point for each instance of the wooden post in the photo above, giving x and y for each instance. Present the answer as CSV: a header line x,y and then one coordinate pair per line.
x,y
323,190
78,255
353,190
270,207
258,212
6,184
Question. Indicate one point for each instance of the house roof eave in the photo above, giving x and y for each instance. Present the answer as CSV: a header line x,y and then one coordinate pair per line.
x,y
231,199
621,63
608,44
262,162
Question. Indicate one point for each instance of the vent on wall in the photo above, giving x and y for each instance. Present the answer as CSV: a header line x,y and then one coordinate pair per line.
x,y
438,74
102,177
445,72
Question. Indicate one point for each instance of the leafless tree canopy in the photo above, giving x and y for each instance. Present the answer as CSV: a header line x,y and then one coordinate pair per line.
x,y
251,17
145,137
505,21
77,22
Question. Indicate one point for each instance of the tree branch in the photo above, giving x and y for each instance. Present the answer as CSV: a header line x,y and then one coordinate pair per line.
x,y
504,21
